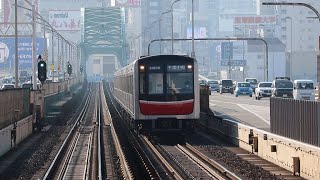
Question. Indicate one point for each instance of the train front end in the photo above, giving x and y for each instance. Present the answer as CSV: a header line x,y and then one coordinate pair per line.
x,y
168,93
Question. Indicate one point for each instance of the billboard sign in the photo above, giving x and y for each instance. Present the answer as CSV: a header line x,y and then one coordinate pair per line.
x,y
199,32
65,20
226,50
233,63
238,50
255,20
7,51
127,3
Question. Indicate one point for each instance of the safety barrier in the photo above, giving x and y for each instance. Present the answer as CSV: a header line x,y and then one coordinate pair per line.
x,y
296,119
15,133
15,103
300,158
204,98
57,87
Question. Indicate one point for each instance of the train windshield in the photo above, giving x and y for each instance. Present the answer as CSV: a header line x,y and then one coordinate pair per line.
x,y
156,83
180,83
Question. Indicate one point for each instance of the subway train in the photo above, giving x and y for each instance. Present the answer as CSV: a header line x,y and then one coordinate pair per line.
x,y
160,93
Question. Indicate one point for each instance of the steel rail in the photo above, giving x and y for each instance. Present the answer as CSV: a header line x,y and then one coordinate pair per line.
x,y
122,158
99,136
87,170
51,169
68,157
207,163
173,172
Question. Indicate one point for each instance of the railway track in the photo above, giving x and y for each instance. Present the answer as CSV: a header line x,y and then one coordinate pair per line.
x,y
186,162
178,161
139,163
76,157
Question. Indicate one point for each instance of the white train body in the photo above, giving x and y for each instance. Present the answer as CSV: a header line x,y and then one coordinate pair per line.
x,y
160,93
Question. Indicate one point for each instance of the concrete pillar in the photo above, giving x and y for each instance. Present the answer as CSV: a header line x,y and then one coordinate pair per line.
x,y
318,74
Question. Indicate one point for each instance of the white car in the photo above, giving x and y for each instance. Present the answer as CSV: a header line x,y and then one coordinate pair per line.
x,y
7,86
304,90
263,90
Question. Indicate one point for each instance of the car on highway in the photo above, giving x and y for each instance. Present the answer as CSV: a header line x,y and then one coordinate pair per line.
x,y
226,86
253,83
304,90
263,90
243,88
282,87
7,86
214,85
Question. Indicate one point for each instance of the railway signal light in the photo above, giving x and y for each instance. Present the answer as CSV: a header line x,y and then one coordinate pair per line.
x,y
69,69
42,70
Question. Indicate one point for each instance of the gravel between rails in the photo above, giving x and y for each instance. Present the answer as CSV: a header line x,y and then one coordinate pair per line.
x,y
231,161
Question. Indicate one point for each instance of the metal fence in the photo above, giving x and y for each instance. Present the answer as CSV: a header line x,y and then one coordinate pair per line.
x,y
14,105
296,119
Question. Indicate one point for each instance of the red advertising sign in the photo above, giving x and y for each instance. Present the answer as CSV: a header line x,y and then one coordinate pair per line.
x,y
127,3
65,20
254,20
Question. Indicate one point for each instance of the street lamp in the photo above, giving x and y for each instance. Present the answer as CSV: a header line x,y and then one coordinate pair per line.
x,y
193,54
160,26
243,34
144,34
172,24
291,76
229,58
294,4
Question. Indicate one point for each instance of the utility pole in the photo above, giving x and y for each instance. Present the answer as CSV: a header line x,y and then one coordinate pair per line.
x,y
52,56
193,54
172,24
16,63
291,51
160,28
34,45
229,60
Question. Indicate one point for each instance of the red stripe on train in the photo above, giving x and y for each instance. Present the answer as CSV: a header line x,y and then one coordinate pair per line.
x,y
166,108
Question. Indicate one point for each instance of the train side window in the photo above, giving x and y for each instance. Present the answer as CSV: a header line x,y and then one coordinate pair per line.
x,y
155,83
142,83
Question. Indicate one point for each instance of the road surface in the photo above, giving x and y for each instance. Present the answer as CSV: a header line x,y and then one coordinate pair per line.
x,y
244,109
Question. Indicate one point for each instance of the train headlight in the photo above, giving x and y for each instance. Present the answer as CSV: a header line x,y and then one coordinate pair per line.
x,y
142,67
189,66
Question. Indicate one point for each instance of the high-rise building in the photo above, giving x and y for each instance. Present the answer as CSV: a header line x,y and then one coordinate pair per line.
x,y
229,9
300,34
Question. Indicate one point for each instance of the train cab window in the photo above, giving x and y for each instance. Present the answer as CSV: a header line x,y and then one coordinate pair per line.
x,y
142,83
155,83
180,83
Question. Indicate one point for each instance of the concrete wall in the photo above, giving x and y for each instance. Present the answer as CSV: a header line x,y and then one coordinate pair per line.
x,y
23,130
55,88
286,149
10,101
20,100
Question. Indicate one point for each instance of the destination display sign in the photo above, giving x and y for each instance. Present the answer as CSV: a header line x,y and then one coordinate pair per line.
x,y
176,68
